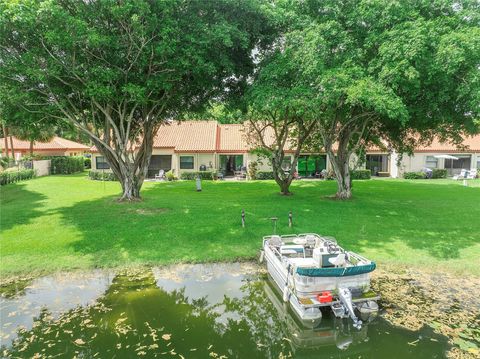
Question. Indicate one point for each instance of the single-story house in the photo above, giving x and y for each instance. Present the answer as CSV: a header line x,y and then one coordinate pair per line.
x,y
437,154
56,147
189,146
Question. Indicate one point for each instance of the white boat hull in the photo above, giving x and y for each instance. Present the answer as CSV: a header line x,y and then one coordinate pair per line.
x,y
296,288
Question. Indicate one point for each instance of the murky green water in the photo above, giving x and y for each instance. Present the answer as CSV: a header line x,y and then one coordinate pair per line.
x,y
191,311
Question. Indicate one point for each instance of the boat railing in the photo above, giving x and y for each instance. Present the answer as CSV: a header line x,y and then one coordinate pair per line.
x,y
358,257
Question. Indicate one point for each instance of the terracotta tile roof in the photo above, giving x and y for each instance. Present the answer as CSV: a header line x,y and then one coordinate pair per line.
x,y
231,138
185,136
57,143
210,136
471,143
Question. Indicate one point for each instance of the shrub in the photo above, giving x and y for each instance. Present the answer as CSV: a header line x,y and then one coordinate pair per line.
x,y
87,162
102,176
67,164
34,157
15,176
414,175
204,175
170,176
264,175
439,173
252,170
360,174
4,162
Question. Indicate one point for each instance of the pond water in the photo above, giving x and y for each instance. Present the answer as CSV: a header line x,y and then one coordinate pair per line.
x,y
187,311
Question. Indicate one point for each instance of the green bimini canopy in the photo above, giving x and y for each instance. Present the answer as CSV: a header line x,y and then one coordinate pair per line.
x,y
337,272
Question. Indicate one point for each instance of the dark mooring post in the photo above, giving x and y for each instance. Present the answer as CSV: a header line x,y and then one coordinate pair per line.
x,y
290,219
274,221
243,218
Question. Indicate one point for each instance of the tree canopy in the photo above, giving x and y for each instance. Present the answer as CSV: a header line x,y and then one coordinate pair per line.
x,y
376,72
118,70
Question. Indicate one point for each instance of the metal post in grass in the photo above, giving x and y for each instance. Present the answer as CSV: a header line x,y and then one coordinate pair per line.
x,y
290,219
198,184
274,220
243,218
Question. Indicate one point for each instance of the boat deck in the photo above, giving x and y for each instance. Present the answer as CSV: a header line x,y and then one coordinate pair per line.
x,y
315,303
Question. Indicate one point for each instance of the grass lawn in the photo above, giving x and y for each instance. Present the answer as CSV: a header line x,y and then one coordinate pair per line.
x,y
65,222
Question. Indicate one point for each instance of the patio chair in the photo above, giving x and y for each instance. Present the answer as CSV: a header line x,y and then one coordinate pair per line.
x,y
463,174
160,175
472,174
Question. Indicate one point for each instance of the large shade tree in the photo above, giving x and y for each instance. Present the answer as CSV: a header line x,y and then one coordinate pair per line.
x,y
279,123
373,71
117,70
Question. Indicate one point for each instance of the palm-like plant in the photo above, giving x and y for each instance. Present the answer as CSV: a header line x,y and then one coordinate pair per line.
x,y
34,132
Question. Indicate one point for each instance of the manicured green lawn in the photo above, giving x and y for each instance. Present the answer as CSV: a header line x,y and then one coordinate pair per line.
x,y
65,222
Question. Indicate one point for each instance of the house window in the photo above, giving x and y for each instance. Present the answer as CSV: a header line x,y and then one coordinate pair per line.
x,y
186,162
431,162
462,162
287,163
101,164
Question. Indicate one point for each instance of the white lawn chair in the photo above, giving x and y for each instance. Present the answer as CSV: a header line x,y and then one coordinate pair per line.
x,y
463,174
160,175
472,174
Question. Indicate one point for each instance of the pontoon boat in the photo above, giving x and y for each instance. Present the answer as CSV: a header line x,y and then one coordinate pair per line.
x,y
314,272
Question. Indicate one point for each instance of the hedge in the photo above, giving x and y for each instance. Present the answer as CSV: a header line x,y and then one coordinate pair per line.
x,y
439,173
264,175
414,175
102,176
67,164
204,175
15,176
360,174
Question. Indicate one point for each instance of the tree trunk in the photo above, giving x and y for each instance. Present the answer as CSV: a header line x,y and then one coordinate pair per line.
x,y
31,148
11,147
285,187
340,163
5,138
283,180
130,168
130,186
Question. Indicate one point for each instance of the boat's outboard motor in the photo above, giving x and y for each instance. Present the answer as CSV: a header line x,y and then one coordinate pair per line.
x,y
346,298
368,310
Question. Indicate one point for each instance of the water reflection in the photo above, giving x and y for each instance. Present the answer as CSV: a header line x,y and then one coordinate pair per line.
x,y
196,311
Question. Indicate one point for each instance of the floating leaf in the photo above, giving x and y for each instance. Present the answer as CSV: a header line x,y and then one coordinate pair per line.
x,y
79,342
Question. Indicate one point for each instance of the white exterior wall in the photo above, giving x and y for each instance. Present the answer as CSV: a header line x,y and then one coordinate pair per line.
x,y
206,159
476,161
94,163
42,168
418,161
263,163
413,163
394,169
198,160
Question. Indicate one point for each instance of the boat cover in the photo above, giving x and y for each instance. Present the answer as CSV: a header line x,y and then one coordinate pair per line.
x,y
336,272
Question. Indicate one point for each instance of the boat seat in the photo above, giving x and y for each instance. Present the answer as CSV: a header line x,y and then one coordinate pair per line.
x,y
302,262
338,261
292,249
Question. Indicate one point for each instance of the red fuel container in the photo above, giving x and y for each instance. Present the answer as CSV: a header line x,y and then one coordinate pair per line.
x,y
325,297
